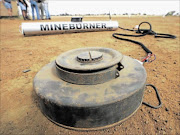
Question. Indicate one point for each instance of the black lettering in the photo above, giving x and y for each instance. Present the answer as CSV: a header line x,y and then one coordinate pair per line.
x,y
97,25
71,26
51,27
103,25
44,28
92,26
85,26
79,26
65,27
56,27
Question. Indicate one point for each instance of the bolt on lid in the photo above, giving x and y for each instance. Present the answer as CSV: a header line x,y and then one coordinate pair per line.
x,y
88,59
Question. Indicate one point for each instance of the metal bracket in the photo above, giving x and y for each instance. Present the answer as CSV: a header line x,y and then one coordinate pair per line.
x,y
120,66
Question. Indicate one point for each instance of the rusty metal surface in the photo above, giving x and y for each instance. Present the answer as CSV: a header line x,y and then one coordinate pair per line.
x,y
92,117
91,129
88,78
68,60
91,106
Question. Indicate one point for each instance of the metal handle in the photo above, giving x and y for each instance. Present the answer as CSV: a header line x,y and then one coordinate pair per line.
x,y
158,97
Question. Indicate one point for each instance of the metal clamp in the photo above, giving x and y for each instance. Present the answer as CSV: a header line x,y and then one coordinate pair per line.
x,y
148,58
120,66
158,97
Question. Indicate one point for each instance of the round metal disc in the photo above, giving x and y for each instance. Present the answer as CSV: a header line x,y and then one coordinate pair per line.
x,y
68,60
90,106
89,57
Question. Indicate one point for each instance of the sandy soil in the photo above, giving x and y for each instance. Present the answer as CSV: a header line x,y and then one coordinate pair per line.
x,y
19,111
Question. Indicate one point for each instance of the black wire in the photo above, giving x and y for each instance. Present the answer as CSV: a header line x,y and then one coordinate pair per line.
x,y
142,32
133,41
158,97
164,36
126,29
150,27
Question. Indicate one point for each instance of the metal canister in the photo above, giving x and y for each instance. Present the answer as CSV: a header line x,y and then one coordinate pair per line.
x,y
41,28
90,88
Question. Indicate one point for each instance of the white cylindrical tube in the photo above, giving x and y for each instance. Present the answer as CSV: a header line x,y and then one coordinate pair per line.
x,y
41,28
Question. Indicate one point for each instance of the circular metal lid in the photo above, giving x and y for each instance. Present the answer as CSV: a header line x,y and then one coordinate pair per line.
x,y
88,59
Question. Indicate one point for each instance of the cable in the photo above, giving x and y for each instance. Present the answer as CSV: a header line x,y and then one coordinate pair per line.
x,y
143,32
149,52
126,29
164,36
133,41
158,97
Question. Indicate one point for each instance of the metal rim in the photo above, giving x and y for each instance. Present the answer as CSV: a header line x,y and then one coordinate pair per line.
x,y
68,60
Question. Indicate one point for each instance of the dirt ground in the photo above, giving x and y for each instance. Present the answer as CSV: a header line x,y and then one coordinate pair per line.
x,y
19,111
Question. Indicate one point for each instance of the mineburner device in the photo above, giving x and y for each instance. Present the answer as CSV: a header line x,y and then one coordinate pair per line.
x,y
75,25
90,88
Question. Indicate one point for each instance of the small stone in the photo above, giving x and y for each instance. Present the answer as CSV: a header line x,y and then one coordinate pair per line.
x,y
164,75
174,62
27,70
146,122
153,70
177,114
30,53
163,80
149,91
166,109
155,120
